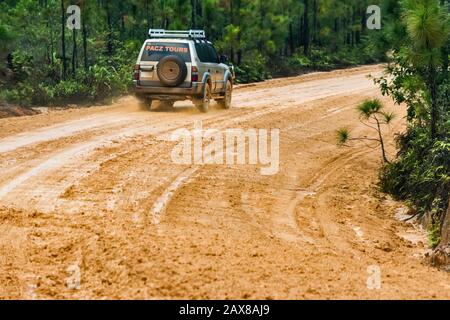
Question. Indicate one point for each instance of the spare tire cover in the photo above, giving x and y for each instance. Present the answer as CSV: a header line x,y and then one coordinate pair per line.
x,y
171,70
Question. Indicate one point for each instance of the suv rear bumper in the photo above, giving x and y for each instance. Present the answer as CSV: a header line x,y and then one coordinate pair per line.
x,y
194,90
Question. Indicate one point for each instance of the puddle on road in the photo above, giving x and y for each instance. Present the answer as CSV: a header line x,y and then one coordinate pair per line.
x,y
402,214
414,233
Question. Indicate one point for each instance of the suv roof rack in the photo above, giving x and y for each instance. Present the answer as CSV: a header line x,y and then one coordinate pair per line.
x,y
162,33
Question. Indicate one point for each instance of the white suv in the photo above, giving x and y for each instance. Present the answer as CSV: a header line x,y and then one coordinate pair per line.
x,y
180,65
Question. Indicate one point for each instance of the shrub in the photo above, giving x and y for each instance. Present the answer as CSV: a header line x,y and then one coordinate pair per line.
x,y
254,70
421,174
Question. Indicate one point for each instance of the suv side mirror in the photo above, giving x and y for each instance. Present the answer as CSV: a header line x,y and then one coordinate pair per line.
x,y
224,59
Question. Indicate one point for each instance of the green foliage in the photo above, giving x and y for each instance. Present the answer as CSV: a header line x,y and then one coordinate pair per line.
x,y
434,235
421,173
342,135
374,109
369,108
372,115
405,85
418,78
322,59
426,23
252,70
22,95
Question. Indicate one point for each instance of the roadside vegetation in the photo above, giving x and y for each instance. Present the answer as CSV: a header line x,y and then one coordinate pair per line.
x,y
418,76
42,62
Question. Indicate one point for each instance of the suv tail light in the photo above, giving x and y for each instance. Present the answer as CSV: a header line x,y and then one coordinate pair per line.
x,y
137,72
194,74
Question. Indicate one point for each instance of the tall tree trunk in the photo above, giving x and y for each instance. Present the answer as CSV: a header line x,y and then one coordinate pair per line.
x,y
194,14
122,25
291,39
363,20
239,36
235,19
262,18
133,13
336,34
432,86
315,8
200,14
147,14
122,20
63,40
306,39
85,44
48,47
109,45
383,149
300,31
52,46
445,228
74,51
232,19
356,35
441,255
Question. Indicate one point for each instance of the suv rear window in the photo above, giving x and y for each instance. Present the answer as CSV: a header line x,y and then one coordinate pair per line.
x,y
155,51
206,53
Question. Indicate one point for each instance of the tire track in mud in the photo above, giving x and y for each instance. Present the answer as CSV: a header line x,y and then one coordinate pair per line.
x,y
62,130
312,189
48,166
284,222
73,157
28,156
163,201
244,119
289,217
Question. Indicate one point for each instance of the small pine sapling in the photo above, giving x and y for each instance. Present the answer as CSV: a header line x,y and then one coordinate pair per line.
x,y
372,115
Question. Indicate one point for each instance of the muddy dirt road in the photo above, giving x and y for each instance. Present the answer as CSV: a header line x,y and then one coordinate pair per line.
x,y
92,207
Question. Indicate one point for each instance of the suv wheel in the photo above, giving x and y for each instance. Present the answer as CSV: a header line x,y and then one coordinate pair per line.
x,y
203,104
225,102
166,105
146,103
